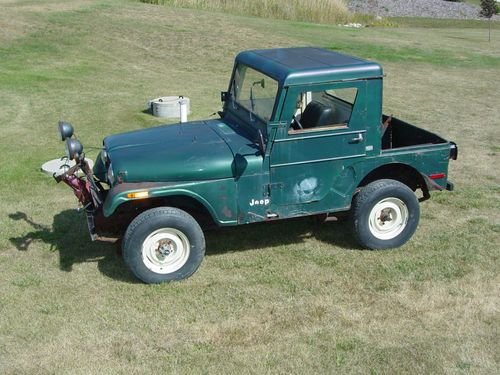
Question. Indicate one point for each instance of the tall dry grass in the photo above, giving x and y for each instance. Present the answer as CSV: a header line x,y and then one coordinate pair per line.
x,y
319,11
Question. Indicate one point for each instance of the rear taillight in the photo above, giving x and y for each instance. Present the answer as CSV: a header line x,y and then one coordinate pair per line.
x,y
437,176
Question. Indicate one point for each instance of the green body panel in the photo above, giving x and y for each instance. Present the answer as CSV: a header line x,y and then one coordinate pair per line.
x,y
217,196
220,163
306,168
181,152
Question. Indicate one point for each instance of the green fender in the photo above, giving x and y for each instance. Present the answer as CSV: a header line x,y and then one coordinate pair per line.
x,y
223,213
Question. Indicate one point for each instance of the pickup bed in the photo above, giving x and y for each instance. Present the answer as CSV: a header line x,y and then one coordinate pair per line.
x,y
401,134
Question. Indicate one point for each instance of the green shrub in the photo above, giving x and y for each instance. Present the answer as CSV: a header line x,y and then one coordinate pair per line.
x,y
488,8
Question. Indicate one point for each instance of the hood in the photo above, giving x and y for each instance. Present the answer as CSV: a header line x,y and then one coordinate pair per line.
x,y
180,152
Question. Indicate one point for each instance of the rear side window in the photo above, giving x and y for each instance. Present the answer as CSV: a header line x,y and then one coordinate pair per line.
x,y
347,95
320,110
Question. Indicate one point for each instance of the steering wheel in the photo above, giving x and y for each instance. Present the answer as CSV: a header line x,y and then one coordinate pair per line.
x,y
297,122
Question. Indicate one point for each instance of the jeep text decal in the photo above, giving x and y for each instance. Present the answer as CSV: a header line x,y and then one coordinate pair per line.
x,y
261,202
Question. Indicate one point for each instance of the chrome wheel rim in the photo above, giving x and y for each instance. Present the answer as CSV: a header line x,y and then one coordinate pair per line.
x,y
165,250
388,218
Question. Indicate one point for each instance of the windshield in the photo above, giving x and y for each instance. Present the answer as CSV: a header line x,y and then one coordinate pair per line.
x,y
254,91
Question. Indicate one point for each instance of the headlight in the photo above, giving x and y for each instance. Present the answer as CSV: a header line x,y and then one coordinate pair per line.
x,y
110,175
65,130
74,148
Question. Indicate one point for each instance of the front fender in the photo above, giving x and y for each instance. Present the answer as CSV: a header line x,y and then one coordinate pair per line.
x,y
223,211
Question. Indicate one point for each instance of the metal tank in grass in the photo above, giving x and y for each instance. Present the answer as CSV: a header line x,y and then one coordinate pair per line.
x,y
301,132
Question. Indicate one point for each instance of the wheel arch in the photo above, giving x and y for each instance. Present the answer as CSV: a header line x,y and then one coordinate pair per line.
x,y
119,206
401,172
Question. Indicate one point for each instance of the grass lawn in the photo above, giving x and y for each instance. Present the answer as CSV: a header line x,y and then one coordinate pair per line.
x,y
290,297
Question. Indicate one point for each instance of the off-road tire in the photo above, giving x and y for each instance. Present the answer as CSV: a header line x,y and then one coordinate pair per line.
x,y
171,220
367,226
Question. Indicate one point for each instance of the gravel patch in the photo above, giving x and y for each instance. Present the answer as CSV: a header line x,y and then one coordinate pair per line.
x,y
417,8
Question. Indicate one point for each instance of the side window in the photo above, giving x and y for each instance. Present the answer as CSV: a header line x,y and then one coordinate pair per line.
x,y
320,110
347,94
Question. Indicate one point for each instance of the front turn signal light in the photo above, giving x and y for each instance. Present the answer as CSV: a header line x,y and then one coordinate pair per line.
x,y
138,195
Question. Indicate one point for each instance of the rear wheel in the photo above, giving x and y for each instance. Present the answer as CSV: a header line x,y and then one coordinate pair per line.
x,y
163,244
385,214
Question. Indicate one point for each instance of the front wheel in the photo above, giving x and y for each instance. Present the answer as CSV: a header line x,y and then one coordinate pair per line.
x,y
163,244
385,214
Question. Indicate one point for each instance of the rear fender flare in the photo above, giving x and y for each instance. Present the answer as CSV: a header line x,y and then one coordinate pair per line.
x,y
401,172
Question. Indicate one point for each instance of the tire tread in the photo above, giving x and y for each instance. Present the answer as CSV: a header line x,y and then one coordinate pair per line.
x,y
363,197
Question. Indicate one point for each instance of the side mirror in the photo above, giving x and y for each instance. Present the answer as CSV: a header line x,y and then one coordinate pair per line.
x,y
223,96
262,83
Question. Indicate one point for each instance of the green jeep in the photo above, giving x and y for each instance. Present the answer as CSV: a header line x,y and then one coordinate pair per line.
x,y
301,133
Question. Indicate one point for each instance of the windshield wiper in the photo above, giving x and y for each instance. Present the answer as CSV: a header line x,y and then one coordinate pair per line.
x,y
262,84
260,142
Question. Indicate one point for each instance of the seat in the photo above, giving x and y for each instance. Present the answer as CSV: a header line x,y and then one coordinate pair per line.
x,y
317,114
